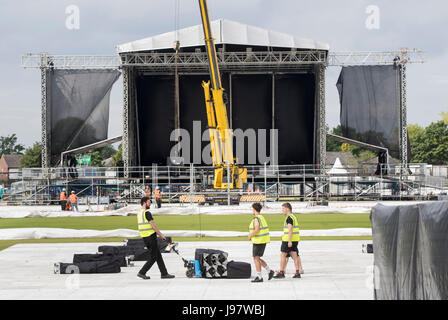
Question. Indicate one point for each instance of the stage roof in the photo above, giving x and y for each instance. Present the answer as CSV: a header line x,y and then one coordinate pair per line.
x,y
225,32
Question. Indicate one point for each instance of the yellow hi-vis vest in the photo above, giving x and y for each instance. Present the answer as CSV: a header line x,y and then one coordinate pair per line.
x,y
263,235
295,230
144,227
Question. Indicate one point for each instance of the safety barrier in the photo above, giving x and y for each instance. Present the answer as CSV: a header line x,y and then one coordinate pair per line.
x,y
252,198
187,199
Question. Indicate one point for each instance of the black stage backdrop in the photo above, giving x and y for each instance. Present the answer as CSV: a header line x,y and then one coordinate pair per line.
x,y
370,112
251,106
192,108
155,98
78,108
294,117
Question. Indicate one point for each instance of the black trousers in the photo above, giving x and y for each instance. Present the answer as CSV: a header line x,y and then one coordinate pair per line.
x,y
156,256
159,202
63,203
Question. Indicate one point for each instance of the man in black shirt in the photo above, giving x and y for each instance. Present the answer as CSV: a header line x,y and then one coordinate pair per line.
x,y
149,231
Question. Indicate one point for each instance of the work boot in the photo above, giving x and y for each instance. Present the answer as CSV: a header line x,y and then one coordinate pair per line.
x,y
271,274
297,275
279,276
257,279
143,276
167,276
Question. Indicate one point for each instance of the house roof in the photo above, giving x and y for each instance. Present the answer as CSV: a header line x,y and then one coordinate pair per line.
x,y
12,160
224,31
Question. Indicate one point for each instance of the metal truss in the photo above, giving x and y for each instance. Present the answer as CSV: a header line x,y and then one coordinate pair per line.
x,y
403,115
226,59
190,60
322,118
353,58
125,143
45,60
44,132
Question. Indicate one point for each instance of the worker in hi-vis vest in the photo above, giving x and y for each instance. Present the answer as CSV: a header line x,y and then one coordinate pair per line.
x,y
73,199
158,196
149,231
148,192
259,234
290,242
63,199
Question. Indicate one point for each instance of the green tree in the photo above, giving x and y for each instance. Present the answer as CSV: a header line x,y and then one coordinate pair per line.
x,y
413,131
96,159
9,145
431,145
107,152
364,154
444,117
333,145
118,157
32,157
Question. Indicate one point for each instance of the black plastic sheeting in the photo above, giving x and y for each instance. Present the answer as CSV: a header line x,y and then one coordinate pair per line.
x,y
251,108
192,108
155,99
294,117
78,108
410,246
370,112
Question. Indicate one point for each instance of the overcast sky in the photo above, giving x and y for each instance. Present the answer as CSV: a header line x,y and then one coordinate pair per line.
x,y
40,26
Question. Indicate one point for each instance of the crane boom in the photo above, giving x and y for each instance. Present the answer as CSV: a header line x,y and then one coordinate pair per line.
x,y
210,46
218,123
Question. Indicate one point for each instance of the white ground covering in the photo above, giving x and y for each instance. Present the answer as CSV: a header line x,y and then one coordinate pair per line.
x,y
187,209
46,233
333,270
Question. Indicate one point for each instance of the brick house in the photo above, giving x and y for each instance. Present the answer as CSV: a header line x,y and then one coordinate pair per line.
x,y
9,164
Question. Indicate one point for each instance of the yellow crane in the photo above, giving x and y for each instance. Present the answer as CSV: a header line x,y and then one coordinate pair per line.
x,y
218,123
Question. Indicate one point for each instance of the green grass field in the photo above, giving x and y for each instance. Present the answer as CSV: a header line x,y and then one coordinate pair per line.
x,y
193,222
183,222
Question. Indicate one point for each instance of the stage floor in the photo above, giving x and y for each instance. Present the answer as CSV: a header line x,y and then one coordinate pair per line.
x,y
333,270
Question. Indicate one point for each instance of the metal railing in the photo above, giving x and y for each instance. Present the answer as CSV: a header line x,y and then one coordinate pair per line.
x,y
272,183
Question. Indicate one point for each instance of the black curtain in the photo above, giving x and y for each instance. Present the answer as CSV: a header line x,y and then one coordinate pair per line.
x,y
252,106
294,117
78,108
155,98
193,108
370,112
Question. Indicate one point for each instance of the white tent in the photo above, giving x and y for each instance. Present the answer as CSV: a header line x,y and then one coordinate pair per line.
x,y
337,168
225,32
335,185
